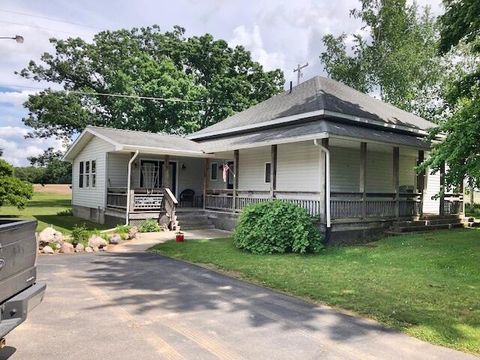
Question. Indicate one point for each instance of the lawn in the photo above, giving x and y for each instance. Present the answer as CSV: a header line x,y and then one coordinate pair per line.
x,y
426,285
44,207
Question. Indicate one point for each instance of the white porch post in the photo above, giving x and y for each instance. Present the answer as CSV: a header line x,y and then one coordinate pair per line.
x,y
363,177
205,182
442,190
129,183
166,172
396,179
236,156
421,180
273,171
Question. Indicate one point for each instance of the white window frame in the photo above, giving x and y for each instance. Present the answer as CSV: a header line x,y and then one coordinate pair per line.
x,y
81,173
211,173
265,172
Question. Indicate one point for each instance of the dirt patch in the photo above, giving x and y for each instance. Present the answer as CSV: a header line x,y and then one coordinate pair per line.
x,y
53,188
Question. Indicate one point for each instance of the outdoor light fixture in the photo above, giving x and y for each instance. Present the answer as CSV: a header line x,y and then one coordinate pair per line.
x,y
183,167
18,38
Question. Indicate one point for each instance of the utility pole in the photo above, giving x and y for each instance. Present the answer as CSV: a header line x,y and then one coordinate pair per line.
x,y
299,70
17,38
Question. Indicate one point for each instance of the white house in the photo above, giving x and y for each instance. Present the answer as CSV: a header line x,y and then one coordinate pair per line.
x,y
346,157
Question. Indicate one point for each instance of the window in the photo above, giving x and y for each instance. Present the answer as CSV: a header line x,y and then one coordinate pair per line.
x,y
87,174
268,172
94,173
80,175
214,171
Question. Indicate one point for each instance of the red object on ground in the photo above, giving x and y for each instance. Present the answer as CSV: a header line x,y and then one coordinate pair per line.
x,y
180,237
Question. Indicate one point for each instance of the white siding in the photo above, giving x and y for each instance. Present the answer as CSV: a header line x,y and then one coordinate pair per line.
x,y
345,169
298,167
117,169
431,206
91,197
252,168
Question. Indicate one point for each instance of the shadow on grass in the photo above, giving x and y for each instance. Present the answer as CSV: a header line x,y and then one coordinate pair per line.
x,y
68,222
60,203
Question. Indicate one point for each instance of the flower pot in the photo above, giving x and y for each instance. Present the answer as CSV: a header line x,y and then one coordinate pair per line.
x,y
180,237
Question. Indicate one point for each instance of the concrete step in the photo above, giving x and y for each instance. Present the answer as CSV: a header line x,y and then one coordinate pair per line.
x,y
196,227
427,222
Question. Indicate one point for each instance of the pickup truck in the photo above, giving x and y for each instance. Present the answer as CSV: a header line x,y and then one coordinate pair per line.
x,y
19,291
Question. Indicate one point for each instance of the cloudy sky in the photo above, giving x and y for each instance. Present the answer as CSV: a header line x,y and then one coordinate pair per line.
x,y
279,34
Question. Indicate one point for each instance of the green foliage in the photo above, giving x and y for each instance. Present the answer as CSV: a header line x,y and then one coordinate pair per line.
x,y
66,212
31,174
472,210
460,143
55,171
396,58
149,225
13,191
80,235
209,79
122,229
276,227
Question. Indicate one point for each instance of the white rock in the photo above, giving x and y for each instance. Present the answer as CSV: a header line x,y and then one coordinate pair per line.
x,y
79,247
88,249
132,233
115,239
67,248
97,241
48,250
50,235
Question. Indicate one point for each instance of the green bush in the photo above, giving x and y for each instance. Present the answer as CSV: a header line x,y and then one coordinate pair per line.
x,y
276,227
149,225
80,235
66,212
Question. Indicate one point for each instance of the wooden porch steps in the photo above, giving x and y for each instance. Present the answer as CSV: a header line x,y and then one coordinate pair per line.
x,y
195,219
427,223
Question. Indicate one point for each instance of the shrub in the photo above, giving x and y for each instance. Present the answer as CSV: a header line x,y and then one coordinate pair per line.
x,y
66,212
149,225
80,235
122,229
276,227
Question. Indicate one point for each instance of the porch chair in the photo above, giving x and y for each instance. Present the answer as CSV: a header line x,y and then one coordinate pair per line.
x,y
187,196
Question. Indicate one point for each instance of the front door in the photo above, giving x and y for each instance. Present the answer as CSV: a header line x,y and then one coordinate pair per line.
x,y
151,172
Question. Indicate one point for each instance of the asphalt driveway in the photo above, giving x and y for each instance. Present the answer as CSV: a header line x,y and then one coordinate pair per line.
x,y
134,305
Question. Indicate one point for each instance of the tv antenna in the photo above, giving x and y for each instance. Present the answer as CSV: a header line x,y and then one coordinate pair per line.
x,y
298,69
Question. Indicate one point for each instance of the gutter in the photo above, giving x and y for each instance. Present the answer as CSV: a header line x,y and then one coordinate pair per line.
x,y
327,180
129,181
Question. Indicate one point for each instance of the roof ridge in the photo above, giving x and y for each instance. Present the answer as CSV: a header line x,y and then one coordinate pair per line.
x,y
134,131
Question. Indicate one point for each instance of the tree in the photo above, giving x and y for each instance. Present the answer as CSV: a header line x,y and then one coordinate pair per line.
x,y
396,59
55,171
459,146
13,191
202,80
31,174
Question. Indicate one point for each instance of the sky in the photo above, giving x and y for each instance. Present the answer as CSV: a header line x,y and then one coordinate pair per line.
x,y
279,34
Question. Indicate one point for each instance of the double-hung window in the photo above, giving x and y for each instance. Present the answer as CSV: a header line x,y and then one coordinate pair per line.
x,y
87,174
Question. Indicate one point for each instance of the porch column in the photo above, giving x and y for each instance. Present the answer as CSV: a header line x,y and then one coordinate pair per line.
x,y
442,190
461,190
236,156
363,177
323,182
421,180
166,172
273,171
205,181
396,179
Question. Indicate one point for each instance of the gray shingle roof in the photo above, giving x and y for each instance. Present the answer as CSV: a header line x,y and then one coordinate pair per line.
x,y
319,94
307,131
147,139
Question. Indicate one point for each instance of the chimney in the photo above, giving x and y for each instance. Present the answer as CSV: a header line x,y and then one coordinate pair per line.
x,y
291,86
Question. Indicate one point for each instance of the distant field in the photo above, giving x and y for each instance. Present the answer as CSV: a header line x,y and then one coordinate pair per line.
x,y
53,188
44,207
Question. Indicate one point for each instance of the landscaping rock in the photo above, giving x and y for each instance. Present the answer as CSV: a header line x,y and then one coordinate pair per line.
x,y
96,241
67,248
50,235
95,248
88,249
132,233
114,239
48,250
79,248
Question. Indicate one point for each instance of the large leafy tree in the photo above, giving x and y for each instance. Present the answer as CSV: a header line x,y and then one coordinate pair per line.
x,y
395,58
460,132
55,171
186,83
13,191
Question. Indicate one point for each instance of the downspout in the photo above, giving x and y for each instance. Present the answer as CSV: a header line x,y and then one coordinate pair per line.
x,y
129,180
327,180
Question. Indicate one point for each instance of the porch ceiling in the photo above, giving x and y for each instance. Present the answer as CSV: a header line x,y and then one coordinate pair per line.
x,y
316,129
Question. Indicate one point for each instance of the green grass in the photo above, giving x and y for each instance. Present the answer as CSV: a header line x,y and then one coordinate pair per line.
x,y
426,285
44,208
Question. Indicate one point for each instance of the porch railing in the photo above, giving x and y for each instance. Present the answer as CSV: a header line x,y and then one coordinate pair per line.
x,y
140,200
453,204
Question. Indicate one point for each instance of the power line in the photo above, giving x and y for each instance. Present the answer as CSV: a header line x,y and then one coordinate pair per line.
x,y
139,97
48,18
43,28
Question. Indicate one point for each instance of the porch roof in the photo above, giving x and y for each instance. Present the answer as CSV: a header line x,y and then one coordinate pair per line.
x,y
128,141
308,131
316,97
